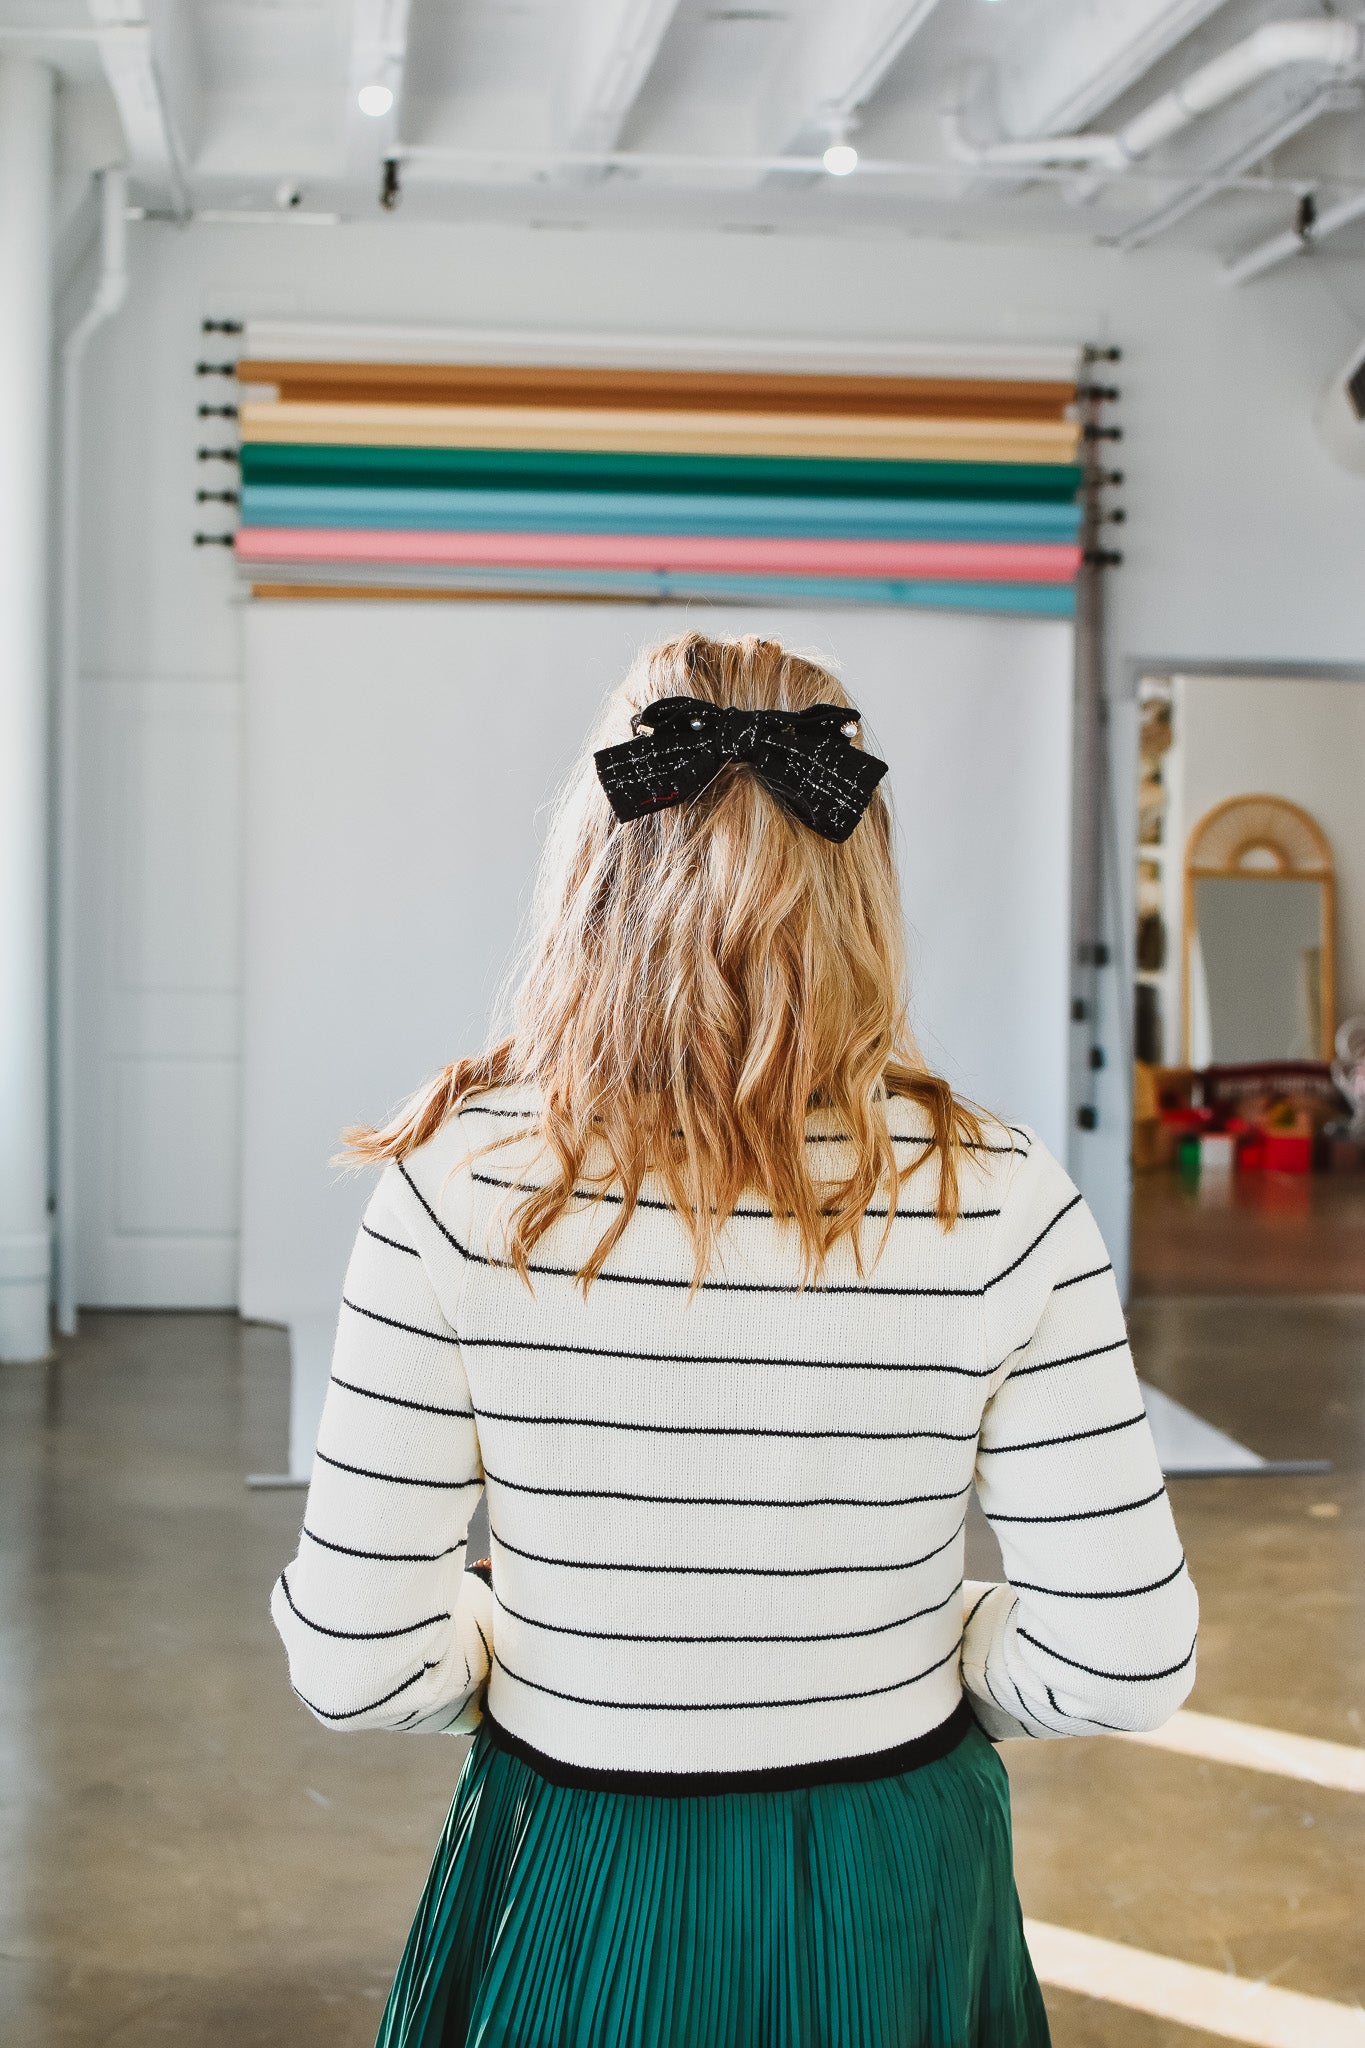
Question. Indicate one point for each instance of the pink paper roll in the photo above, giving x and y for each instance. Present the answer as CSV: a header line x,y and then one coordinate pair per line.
x,y
967,561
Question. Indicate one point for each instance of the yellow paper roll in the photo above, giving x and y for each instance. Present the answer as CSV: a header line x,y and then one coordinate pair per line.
x,y
651,432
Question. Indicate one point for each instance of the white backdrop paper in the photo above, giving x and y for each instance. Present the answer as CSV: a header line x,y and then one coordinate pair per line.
x,y
399,761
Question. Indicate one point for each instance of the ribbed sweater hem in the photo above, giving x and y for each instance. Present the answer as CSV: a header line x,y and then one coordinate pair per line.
x,y
841,1770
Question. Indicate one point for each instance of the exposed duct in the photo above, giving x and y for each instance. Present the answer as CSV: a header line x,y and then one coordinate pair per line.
x,y
1337,47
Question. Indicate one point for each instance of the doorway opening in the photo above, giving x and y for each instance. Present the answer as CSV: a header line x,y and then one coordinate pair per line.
x,y
1249,1032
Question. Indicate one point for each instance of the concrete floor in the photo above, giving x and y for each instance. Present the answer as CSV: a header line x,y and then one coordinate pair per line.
x,y
187,1857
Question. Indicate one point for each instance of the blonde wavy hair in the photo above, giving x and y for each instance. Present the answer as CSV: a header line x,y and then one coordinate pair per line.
x,y
696,981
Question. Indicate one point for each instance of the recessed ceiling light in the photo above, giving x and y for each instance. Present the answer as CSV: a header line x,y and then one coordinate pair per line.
x,y
374,99
840,158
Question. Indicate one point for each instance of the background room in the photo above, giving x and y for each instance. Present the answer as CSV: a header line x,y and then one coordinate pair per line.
x,y
408,367
1250,986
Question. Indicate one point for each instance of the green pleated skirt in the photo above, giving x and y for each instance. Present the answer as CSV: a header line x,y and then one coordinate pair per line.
x,y
876,1914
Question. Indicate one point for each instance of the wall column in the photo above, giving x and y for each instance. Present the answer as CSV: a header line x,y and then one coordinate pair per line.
x,y
26,137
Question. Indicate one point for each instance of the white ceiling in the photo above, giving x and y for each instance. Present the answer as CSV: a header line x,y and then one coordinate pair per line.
x,y
698,113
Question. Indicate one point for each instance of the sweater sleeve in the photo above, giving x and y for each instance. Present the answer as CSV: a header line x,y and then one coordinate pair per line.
x,y
1095,1626
383,1625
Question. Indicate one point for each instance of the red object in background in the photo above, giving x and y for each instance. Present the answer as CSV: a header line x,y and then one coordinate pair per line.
x,y
1288,1154
1188,1119
1251,1155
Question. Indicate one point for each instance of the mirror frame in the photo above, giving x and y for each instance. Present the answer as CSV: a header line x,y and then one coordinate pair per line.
x,y
1220,845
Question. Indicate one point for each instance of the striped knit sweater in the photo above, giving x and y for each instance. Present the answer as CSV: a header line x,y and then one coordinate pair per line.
x,y
727,1528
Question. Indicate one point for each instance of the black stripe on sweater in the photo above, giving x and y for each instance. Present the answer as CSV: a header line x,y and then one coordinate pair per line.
x,y
1095,1273
384,1556
1019,1714
741,1286
1084,1514
596,1195
1118,1677
1021,1372
819,1699
352,1713
1015,1264
1117,1593
380,1238
918,1138
879,1436
724,1571
979,1601
715,1500
356,1635
1050,1726
1109,1727
397,1478
1074,1436
812,1137
393,1323
400,1401
967,1372
835,1635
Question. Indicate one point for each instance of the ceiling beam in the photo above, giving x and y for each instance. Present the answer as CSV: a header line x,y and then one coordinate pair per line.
x,y
609,50
142,48
378,56
834,66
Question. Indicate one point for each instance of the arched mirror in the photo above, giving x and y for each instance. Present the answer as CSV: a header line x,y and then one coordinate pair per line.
x,y
1259,920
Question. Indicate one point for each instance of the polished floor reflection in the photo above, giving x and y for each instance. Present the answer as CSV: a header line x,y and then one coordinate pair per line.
x,y
187,1857
1249,1233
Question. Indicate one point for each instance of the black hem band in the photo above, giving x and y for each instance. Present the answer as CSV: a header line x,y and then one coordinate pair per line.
x,y
838,1770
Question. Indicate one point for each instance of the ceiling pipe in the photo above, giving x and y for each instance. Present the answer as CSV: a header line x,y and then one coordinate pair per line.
x,y
1330,98
1059,84
443,164
27,91
1295,241
1335,46
111,288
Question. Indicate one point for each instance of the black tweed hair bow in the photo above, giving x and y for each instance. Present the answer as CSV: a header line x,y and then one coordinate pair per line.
x,y
806,758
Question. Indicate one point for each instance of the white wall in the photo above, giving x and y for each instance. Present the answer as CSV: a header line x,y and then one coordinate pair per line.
x,y
1291,737
158,1054
1234,546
